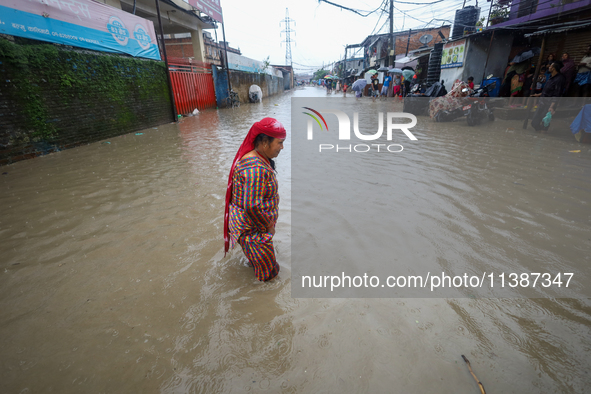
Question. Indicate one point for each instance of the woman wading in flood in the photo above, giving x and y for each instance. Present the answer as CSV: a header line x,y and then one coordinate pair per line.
x,y
252,198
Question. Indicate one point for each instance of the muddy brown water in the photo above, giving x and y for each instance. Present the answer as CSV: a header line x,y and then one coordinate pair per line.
x,y
113,278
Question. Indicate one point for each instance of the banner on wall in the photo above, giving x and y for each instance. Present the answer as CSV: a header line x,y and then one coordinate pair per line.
x,y
209,7
80,23
453,54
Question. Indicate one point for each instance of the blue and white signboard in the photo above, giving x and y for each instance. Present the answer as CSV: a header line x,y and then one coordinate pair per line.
x,y
80,23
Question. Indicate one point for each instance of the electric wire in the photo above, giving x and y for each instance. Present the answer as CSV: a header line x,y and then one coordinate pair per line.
x,y
358,12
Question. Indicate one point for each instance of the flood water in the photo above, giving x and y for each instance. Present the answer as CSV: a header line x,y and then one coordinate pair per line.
x,y
113,277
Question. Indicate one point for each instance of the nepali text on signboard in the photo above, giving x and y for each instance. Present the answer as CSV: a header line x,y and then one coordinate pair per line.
x,y
80,23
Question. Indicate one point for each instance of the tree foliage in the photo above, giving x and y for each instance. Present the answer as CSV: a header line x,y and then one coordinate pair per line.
x,y
320,74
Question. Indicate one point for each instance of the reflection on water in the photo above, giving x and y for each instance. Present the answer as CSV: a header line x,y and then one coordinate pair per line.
x,y
114,280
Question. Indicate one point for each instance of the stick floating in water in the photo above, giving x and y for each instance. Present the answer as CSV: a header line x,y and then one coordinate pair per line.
x,y
474,376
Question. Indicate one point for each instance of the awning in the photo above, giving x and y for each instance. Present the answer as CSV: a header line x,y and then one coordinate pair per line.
x,y
558,30
408,59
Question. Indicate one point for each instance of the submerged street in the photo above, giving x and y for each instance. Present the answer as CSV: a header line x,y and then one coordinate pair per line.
x,y
114,278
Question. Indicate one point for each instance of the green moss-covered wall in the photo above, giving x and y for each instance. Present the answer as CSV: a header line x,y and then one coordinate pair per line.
x,y
53,97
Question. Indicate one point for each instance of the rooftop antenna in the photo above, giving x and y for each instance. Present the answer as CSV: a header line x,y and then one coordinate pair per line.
x,y
425,39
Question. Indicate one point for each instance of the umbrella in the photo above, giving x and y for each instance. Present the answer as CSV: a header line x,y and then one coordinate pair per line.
x,y
359,85
395,70
583,121
383,69
328,76
407,68
408,74
372,72
525,55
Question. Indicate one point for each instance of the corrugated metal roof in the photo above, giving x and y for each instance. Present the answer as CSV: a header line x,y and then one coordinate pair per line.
x,y
558,30
408,59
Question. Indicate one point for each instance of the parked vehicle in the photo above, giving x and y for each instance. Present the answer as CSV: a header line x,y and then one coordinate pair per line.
x,y
474,107
255,94
232,101
418,103
478,110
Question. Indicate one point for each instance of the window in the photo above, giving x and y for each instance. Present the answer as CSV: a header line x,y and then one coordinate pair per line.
x,y
527,7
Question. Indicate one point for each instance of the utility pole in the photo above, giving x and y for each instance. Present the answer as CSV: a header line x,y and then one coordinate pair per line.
x,y
287,31
392,40
226,60
344,74
171,91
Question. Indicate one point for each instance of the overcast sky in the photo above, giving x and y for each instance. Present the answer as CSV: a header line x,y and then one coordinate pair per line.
x,y
322,30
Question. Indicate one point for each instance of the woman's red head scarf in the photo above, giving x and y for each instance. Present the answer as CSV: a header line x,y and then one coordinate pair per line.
x,y
272,128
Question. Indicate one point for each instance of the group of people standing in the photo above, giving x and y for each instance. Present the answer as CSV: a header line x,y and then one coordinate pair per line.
x,y
334,85
518,78
392,86
557,78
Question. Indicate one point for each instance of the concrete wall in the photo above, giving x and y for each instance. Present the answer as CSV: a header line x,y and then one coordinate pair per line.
x,y
241,81
287,80
54,98
476,57
243,63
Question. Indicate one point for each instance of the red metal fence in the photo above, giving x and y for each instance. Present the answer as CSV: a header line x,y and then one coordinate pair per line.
x,y
192,85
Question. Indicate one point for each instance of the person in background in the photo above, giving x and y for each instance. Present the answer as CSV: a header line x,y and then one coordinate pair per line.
x,y
443,90
568,70
583,78
386,85
358,93
471,82
549,60
396,87
529,82
549,96
542,77
513,80
405,87
375,86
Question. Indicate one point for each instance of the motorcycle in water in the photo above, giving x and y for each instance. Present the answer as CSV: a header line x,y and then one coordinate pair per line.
x,y
418,103
473,107
477,110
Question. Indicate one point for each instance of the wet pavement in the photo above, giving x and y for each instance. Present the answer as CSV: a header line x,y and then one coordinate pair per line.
x,y
114,280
